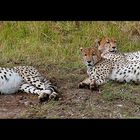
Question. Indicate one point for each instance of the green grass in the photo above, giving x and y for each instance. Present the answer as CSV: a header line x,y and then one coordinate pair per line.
x,y
57,42
54,48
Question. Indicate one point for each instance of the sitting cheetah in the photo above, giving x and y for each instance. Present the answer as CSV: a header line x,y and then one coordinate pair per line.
x,y
100,70
26,79
108,44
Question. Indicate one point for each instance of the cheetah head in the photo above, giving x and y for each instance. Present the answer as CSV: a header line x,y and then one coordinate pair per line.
x,y
107,44
90,55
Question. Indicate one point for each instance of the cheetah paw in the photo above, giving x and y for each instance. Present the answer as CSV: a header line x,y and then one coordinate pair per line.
x,y
43,97
93,86
54,95
83,85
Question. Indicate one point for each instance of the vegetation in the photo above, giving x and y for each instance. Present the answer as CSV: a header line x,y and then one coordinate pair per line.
x,y
54,49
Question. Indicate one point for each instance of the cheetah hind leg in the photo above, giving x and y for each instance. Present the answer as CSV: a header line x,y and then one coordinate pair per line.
x,y
43,95
85,84
47,95
46,88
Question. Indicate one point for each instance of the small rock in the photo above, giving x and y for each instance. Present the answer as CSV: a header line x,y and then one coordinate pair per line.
x,y
22,97
119,105
3,110
27,103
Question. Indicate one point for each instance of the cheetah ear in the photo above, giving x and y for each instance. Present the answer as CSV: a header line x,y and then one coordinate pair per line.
x,y
97,42
81,48
115,40
107,40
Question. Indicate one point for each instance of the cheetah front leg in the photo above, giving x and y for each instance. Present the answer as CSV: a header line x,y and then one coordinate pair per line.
x,y
42,94
85,83
94,85
96,82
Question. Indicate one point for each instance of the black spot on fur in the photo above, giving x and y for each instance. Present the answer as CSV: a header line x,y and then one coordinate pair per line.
x,y
34,90
6,78
28,79
124,81
97,77
26,87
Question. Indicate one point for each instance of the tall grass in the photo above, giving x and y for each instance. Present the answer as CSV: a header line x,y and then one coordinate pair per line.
x,y
43,43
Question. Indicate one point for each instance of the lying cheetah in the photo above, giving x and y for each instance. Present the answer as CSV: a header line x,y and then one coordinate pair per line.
x,y
108,48
100,70
108,44
26,79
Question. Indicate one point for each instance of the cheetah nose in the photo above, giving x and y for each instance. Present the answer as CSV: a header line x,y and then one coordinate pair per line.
x,y
89,61
113,47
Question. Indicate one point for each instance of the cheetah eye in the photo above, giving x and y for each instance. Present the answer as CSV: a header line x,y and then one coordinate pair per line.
x,y
107,41
93,54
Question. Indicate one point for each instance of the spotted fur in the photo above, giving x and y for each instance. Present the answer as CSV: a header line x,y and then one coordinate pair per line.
x,y
108,45
100,70
26,79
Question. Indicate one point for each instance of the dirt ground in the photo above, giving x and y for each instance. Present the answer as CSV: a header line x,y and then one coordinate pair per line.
x,y
11,106
115,101
71,99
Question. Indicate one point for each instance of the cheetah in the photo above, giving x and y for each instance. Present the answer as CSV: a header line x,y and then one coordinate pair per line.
x,y
109,45
101,70
26,79
108,49
106,44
